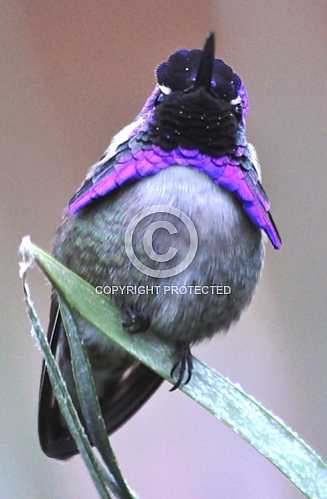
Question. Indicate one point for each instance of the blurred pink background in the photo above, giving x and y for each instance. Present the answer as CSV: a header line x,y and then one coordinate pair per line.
x,y
72,74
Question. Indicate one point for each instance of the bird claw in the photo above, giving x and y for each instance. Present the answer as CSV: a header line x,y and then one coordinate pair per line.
x,y
184,365
135,321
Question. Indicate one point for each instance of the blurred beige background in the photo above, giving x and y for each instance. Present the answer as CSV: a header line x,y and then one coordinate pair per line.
x,y
73,73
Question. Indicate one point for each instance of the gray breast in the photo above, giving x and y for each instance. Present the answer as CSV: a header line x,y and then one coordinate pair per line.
x,y
229,252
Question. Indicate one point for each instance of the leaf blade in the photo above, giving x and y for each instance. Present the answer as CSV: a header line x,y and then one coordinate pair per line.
x,y
65,402
89,402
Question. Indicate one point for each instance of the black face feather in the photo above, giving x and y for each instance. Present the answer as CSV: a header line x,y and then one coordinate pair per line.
x,y
194,115
195,120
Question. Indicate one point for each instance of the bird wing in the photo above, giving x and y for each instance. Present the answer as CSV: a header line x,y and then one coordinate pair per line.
x,y
123,397
137,158
243,181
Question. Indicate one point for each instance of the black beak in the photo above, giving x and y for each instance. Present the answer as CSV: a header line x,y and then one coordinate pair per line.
x,y
203,78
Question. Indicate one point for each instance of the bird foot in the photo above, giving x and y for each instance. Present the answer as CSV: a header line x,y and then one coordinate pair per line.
x,y
184,366
135,321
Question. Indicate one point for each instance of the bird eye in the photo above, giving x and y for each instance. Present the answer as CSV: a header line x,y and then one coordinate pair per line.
x,y
164,89
236,101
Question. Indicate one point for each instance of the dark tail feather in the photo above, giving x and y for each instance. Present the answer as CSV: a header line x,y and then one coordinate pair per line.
x,y
122,399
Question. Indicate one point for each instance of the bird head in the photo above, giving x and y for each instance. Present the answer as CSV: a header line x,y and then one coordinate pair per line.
x,y
198,103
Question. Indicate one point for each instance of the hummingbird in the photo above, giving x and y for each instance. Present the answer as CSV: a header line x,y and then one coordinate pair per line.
x,y
186,150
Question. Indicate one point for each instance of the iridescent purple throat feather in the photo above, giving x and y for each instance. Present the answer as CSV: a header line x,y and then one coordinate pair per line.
x,y
235,174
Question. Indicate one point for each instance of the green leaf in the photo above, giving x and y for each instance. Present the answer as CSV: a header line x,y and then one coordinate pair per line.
x,y
65,402
225,400
89,403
